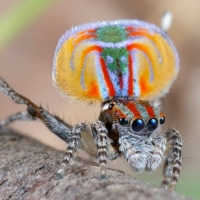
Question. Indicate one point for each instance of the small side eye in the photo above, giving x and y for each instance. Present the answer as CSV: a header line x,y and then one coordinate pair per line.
x,y
152,125
111,106
162,120
138,125
123,121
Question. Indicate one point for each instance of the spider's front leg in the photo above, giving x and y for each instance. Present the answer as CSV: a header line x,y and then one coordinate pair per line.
x,y
100,134
34,112
173,160
78,139
72,147
20,116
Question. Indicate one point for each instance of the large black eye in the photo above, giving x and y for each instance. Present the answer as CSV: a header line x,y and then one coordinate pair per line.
x,y
123,121
138,125
152,125
162,120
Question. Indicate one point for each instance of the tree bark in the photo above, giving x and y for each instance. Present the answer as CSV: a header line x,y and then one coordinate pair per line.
x,y
28,172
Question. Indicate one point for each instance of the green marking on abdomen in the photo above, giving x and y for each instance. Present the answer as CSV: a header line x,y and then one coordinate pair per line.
x,y
111,34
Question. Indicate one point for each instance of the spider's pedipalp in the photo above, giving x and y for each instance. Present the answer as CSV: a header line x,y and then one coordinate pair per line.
x,y
157,154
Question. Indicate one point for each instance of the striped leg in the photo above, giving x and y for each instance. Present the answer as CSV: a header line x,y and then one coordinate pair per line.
x,y
21,116
9,92
17,98
73,144
100,134
53,123
173,161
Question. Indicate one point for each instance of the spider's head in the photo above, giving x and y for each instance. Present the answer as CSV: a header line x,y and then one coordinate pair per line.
x,y
138,117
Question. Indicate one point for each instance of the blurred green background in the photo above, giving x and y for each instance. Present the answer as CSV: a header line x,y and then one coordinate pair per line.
x,y
29,32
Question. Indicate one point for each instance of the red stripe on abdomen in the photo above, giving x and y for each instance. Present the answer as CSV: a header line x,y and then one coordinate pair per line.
x,y
130,78
109,83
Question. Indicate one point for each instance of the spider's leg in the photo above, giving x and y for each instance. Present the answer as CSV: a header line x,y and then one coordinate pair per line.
x,y
156,154
53,123
20,116
173,161
9,92
72,147
100,134
17,98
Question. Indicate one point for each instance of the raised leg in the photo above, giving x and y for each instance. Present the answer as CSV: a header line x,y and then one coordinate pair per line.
x,y
100,134
21,116
53,123
9,92
173,161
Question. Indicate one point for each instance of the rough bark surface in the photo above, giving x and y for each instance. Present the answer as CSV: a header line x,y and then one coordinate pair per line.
x,y
27,171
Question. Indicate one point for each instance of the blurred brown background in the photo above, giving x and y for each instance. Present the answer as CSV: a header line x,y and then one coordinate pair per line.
x,y
26,64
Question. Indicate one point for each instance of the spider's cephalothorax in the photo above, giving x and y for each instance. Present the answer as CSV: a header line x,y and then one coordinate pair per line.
x,y
124,65
132,126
